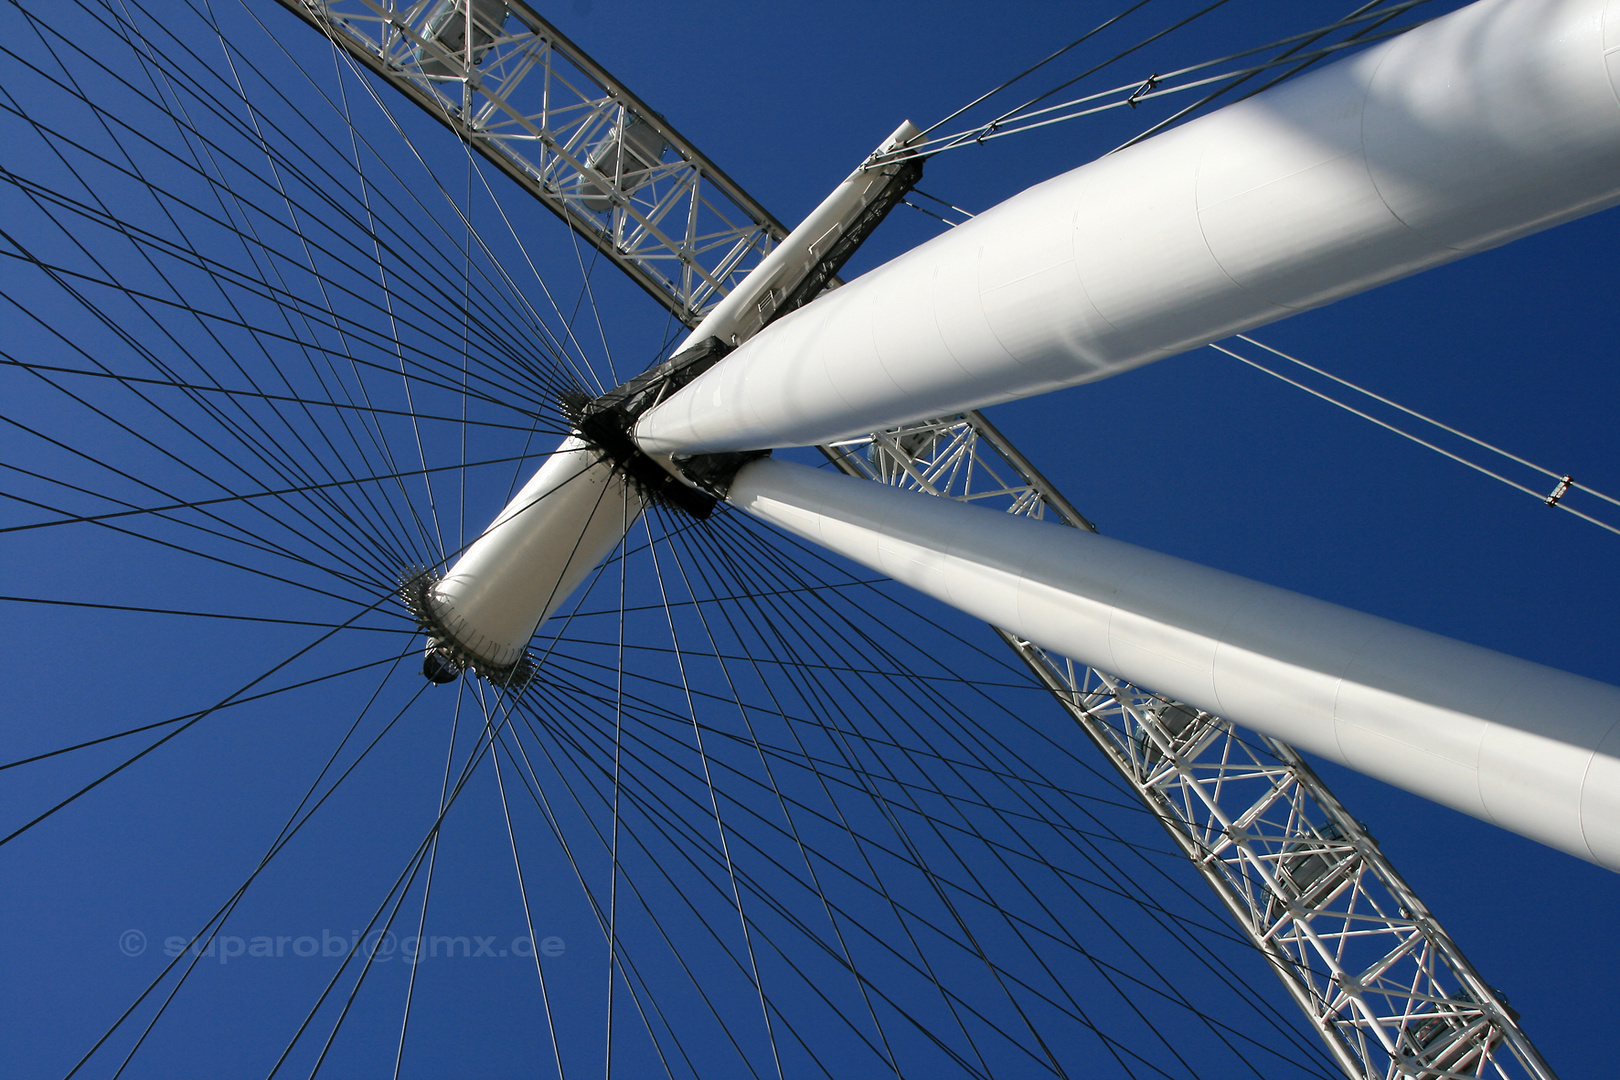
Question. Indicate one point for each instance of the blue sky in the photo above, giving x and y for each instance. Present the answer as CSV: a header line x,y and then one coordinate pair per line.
x,y
1197,456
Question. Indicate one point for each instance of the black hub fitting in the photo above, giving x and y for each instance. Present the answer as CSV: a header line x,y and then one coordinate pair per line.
x,y
607,423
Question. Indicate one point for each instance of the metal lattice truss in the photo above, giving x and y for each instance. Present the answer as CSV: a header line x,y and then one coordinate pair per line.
x,y
531,102
962,457
1384,985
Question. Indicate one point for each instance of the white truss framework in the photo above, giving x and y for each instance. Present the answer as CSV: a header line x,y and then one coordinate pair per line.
x,y
1383,984
534,104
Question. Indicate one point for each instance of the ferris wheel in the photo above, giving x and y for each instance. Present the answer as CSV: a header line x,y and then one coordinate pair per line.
x,y
691,785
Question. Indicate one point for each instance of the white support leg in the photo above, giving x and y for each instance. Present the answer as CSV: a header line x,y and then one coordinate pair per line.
x,y
1490,123
1530,748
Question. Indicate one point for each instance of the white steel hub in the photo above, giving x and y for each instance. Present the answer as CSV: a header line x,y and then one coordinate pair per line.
x,y
568,518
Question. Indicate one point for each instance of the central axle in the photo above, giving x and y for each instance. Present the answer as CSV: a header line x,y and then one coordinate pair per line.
x,y
564,522
582,502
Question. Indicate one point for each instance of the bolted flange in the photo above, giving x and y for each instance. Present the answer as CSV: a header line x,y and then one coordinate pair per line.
x,y
449,652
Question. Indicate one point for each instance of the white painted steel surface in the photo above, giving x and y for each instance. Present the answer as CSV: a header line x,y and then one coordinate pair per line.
x,y
568,518
740,314
1493,122
1530,748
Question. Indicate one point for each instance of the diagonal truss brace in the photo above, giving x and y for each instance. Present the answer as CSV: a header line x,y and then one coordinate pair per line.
x,y
1382,983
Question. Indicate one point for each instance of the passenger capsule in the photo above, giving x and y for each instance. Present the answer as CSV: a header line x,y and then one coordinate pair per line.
x,y
446,27
625,158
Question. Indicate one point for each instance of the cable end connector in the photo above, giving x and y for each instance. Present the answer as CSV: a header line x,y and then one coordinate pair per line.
x,y
694,484
1561,490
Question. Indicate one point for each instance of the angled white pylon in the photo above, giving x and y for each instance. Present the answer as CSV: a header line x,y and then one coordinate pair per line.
x,y
1530,748
1493,122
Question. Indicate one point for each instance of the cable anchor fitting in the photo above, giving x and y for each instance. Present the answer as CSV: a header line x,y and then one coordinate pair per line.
x,y
1561,490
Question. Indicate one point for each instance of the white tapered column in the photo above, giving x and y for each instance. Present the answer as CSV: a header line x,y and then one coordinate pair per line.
x,y
568,518
1493,122
1533,749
